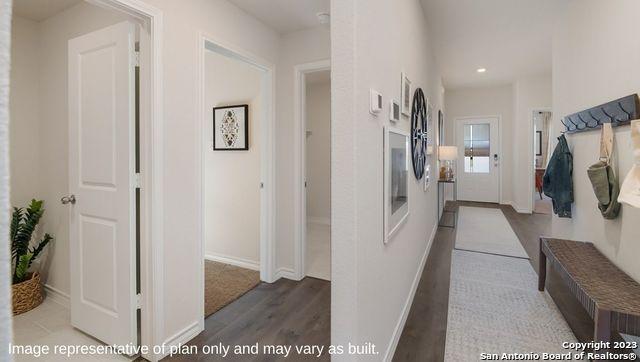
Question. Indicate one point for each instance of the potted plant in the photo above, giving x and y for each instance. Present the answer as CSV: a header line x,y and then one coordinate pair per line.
x,y
26,288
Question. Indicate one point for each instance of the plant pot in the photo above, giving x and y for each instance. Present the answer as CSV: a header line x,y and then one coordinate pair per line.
x,y
27,295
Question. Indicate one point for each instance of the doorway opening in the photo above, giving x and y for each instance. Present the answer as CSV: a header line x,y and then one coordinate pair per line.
x,y
236,174
479,173
313,119
541,123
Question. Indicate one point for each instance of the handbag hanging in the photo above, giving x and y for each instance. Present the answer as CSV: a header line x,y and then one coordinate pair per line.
x,y
602,177
630,192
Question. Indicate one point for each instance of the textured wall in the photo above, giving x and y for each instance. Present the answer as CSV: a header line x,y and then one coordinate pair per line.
x,y
5,293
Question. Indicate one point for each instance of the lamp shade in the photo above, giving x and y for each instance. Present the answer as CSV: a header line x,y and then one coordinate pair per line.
x,y
448,153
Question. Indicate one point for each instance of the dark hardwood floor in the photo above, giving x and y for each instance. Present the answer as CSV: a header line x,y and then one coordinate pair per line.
x,y
289,312
285,312
424,334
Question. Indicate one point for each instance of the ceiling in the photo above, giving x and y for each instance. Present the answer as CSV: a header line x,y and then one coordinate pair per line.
x,y
510,38
38,10
285,16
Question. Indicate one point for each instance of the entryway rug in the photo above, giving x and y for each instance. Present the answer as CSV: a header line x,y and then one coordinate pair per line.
x,y
487,230
224,283
495,307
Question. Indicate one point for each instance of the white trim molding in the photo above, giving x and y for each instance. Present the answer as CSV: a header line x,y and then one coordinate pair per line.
x,y
232,260
397,332
207,42
58,296
299,173
286,273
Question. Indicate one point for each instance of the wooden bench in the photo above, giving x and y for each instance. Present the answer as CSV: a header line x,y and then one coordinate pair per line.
x,y
609,295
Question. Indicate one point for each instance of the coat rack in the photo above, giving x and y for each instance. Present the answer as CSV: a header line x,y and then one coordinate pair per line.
x,y
619,113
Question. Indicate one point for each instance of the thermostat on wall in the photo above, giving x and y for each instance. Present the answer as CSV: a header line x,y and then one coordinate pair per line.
x,y
375,102
394,111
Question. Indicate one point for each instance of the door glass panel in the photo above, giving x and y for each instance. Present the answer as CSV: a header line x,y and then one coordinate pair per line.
x,y
476,148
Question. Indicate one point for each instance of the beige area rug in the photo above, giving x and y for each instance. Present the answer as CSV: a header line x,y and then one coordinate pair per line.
x,y
495,307
488,231
544,206
224,283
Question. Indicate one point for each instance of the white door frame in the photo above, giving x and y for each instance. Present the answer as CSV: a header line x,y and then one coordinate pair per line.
x,y
501,159
300,208
530,154
267,164
152,169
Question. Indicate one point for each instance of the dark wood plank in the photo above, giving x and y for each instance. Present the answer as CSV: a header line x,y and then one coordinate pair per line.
x,y
285,312
424,334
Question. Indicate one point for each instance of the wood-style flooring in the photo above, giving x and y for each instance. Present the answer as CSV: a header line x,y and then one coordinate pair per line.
x,y
289,312
424,334
283,313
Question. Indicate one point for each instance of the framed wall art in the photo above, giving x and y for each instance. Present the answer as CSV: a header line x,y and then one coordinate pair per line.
x,y
231,128
396,181
405,98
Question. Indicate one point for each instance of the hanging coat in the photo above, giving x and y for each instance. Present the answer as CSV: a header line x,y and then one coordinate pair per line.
x,y
557,182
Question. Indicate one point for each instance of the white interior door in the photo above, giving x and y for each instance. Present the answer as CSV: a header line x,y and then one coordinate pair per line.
x,y
101,178
478,142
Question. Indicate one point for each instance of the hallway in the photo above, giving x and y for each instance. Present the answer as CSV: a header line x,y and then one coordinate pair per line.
x,y
425,333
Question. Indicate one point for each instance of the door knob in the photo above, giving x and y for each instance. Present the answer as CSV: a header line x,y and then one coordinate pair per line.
x,y
71,199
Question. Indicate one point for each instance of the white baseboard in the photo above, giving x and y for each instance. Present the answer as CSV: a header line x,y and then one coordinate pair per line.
x,y
225,259
182,337
520,210
58,296
397,332
286,273
319,220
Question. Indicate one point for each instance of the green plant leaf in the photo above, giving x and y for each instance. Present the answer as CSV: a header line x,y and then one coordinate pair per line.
x,y
22,268
36,251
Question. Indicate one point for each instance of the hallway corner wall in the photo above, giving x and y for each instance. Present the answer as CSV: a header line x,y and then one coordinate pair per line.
x,y
582,79
373,282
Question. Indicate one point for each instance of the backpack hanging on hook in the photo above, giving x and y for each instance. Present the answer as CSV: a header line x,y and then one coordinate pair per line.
x,y
602,177
630,192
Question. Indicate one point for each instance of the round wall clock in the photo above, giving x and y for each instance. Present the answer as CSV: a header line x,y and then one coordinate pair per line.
x,y
419,133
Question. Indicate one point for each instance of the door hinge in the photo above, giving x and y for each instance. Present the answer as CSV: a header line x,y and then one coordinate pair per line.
x,y
139,301
136,181
136,58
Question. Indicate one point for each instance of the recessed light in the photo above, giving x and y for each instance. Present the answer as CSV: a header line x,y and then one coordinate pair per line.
x,y
481,70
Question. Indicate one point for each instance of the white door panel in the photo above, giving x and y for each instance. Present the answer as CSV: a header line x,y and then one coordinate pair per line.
x,y
101,176
478,172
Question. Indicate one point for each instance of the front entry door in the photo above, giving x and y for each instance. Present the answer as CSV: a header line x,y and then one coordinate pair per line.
x,y
478,159
101,184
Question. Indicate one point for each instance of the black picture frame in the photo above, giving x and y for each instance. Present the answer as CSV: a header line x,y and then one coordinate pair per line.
x,y
539,146
217,147
440,128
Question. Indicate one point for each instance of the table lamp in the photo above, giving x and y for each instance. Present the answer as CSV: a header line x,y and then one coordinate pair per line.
x,y
448,154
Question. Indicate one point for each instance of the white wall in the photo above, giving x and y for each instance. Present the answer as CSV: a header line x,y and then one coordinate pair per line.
x,y
486,101
371,281
530,93
318,161
24,107
299,47
232,178
585,75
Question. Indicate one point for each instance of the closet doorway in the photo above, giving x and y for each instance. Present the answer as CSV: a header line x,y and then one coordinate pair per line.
x,y
541,122
313,257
